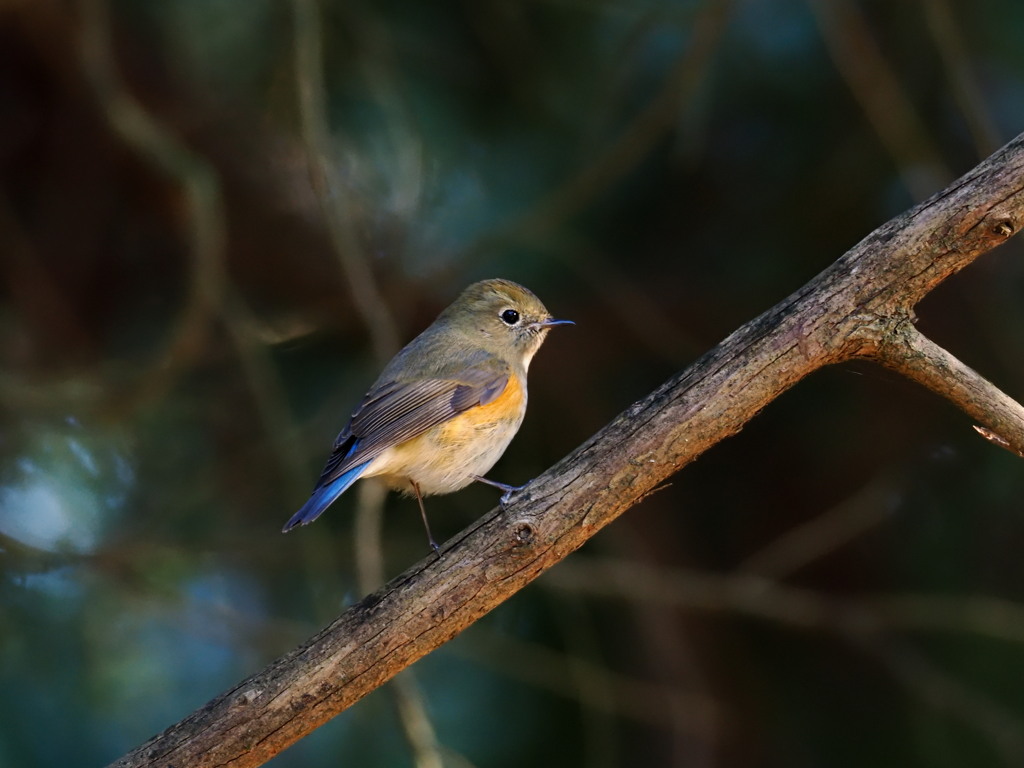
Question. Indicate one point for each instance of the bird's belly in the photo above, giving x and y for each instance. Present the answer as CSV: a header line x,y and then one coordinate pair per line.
x,y
446,457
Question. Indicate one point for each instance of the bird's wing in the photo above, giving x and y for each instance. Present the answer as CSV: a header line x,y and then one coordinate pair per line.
x,y
394,411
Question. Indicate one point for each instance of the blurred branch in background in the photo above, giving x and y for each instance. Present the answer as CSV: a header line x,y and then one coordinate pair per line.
x,y
949,44
764,598
633,143
824,534
210,297
596,687
162,148
1000,727
885,103
267,388
866,622
336,202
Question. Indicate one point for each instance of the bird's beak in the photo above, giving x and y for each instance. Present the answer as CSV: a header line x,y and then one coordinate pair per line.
x,y
552,321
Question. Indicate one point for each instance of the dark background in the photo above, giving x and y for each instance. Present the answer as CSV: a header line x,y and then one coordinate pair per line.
x,y
179,343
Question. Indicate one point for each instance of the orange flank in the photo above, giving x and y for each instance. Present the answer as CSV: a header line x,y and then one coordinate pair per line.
x,y
505,411
448,456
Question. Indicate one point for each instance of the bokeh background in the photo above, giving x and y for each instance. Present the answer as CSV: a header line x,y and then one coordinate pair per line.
x,y
217,217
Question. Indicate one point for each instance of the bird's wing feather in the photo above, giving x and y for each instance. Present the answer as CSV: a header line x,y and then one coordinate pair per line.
x,y
393,412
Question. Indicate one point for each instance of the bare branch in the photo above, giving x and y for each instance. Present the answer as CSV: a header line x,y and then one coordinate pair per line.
x,y
849,310
916,357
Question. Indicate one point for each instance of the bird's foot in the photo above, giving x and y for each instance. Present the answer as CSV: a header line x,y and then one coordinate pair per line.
x,y
508,489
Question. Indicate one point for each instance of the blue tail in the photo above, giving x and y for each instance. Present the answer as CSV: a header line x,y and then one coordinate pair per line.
x,y
323,497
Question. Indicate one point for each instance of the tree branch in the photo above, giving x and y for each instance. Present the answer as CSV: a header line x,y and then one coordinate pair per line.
x,y
855,308
915,356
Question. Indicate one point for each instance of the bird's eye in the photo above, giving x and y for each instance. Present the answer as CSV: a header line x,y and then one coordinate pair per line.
x,y
509,317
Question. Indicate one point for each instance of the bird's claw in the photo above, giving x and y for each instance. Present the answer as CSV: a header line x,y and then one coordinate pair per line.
x,y
508,489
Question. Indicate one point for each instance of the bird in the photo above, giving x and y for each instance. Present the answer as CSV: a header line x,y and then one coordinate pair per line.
x,y
446,407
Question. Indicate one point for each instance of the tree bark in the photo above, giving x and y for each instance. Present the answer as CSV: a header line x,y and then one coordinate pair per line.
x,y
859,307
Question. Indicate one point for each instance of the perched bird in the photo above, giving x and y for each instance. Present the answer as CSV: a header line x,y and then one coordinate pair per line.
x,y
446,407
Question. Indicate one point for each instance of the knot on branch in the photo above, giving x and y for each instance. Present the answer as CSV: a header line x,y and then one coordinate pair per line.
x,y
1003,228
247,698
523,532
991,230
865,333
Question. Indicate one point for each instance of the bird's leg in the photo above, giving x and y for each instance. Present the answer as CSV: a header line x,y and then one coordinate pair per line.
x,y
423,514
508,489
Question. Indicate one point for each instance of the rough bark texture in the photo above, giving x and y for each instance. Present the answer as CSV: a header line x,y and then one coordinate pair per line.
x,y
861,306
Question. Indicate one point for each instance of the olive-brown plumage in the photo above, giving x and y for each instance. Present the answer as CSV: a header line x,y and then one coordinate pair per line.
x,y
445,408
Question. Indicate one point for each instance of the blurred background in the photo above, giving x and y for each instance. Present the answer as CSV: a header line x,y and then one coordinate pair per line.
x,y
219,217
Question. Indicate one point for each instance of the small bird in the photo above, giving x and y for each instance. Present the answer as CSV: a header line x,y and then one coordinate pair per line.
x,y
446,407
